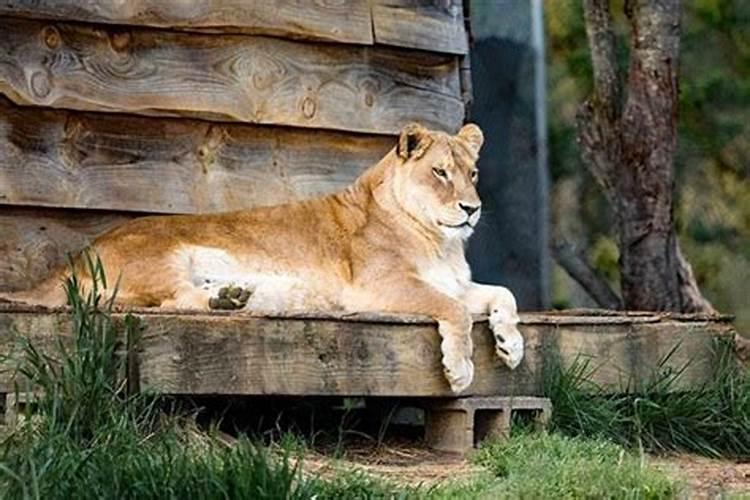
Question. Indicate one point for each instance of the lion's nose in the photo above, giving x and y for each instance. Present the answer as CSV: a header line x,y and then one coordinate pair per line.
x,y
469,209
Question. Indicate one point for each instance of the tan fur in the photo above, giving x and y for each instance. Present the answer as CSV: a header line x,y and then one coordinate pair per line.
x,y
390,242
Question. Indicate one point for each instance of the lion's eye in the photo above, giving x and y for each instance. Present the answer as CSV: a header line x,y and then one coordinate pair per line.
x,y
474,174
440,172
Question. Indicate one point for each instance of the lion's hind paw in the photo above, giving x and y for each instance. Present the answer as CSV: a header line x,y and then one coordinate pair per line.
x,y
230,298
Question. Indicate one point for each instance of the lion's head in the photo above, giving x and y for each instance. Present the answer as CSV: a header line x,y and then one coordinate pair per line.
x,y
435,178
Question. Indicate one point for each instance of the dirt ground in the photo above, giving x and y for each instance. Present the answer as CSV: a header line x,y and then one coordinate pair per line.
x,y
705,477
406,464
403,464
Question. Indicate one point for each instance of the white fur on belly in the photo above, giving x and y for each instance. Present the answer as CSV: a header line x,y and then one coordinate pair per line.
x,y
210,269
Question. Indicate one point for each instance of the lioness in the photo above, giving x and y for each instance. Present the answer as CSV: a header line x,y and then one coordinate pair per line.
x,y
392,242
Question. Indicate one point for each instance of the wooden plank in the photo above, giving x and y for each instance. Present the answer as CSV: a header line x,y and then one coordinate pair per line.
x,y
300,357
34,241
236,354
68,159
243,354
228,78
347,22
628,355
435,25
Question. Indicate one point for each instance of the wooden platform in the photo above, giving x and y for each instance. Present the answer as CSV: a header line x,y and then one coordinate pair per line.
x,y
376,355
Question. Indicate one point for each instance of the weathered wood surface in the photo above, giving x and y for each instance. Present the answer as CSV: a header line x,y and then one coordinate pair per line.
x,y
229,78
35,241
235,353
347,21
435,25
57,158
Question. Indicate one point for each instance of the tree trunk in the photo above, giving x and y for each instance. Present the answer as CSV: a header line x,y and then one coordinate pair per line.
x,y
629,145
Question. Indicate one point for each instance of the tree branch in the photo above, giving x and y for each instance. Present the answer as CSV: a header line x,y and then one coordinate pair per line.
x,y
598,118
690,296
601,37
579,269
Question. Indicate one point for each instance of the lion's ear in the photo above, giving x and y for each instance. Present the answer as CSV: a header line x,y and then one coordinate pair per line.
x,y
413,141
473,135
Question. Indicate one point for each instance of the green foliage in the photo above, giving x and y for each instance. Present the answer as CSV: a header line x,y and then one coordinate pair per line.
x,y
604,255
81,388
712,420
554,466
167,464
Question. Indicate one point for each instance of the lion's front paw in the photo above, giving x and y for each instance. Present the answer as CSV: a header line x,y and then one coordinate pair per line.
x,y
230,298
459,372
508,340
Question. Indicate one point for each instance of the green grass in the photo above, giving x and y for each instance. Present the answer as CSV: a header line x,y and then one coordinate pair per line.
x,y
167,464
711,420
545,465
80,385
533,465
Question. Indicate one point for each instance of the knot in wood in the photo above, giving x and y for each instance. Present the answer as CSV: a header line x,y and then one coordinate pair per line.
x,y
308,107
205,157
51,37
120,41
369,88
40,84
261,81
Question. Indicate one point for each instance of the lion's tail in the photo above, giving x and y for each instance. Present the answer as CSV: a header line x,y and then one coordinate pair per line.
x,y
48,293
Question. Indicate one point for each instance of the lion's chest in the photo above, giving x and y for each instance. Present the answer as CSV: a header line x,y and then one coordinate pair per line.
x,y
449,276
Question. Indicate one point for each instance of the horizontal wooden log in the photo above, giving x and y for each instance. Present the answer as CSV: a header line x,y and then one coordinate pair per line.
x,y
340,21
55,158
228,78
365,355
434,26
35,241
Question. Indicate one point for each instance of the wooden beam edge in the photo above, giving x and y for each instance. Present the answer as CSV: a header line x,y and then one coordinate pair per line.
x,y
527,318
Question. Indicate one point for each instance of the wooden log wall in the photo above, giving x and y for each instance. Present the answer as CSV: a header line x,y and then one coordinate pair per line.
x,y
112,110
435,26
248,79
